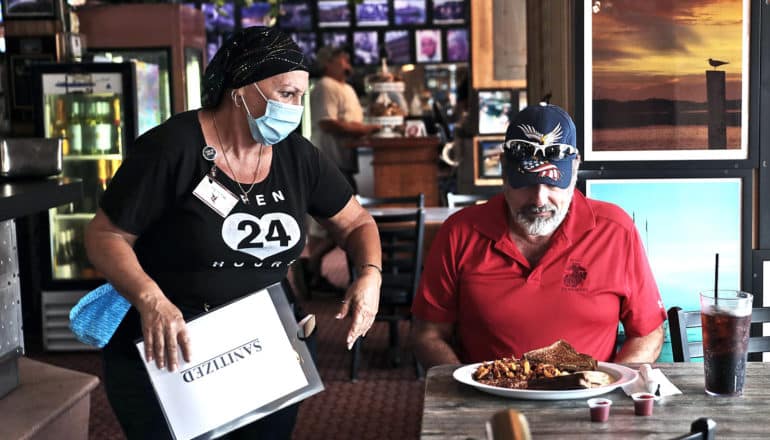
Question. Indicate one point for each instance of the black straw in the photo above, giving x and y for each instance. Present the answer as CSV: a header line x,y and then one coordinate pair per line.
x,y
716,278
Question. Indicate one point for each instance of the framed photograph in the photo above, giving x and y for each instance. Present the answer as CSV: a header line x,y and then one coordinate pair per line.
x,y
683,222
449,11
487,168
335,39
29,9
219,19
498,44
495,108
677,90
258,14
398,47
409,12
333,13
306,42
366,49
372,13
457,45
427,43
295,15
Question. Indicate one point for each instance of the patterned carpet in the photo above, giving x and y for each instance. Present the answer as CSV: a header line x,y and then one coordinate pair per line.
x,y
385,403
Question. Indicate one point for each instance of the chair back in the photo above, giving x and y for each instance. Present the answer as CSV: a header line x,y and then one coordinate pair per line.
x,y
417,201
401,238
457,200
684,350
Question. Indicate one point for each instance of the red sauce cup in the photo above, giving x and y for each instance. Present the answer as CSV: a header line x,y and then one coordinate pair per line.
x,y
643,403
600,409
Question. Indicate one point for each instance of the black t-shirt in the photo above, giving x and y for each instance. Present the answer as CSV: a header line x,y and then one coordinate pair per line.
x,y
195,255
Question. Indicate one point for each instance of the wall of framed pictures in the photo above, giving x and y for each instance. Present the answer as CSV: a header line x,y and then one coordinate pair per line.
x,y
669,129
406,31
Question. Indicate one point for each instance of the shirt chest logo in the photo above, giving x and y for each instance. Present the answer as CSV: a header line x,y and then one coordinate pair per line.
x,y
574,275
260,237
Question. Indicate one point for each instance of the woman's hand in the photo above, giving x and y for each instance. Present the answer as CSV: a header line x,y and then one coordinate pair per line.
x,y
164,330
362,300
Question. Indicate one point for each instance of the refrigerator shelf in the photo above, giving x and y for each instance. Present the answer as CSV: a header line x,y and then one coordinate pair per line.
x,y
92,157
84,216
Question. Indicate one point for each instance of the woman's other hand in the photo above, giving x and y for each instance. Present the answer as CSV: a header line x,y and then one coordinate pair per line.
x,y
164,331
362,301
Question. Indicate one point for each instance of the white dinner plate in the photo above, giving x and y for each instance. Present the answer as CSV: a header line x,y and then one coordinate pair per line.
x,y
622,375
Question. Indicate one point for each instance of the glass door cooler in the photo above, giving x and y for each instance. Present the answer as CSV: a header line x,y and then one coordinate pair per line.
x,y
91,107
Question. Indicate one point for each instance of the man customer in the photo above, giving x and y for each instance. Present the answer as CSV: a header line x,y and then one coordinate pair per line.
x,y
337,124
537,263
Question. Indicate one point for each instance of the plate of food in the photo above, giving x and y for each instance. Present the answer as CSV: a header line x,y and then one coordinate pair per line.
x,y
556,372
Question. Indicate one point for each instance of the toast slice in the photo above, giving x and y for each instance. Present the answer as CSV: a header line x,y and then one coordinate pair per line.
x,y
563,356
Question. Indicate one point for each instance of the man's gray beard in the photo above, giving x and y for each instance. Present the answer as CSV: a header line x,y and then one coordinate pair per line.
x,y
541,226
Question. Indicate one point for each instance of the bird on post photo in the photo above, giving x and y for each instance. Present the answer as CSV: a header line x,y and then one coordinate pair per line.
x,y
716,63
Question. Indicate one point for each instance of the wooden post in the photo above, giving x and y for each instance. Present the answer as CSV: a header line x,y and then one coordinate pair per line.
x,y
715,90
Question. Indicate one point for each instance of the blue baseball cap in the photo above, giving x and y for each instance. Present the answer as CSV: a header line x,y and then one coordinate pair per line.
x,y
540,147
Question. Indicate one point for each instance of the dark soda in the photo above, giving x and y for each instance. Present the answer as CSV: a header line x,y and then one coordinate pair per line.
x,y
725,349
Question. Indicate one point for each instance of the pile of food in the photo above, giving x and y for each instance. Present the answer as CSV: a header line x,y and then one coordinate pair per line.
x,y
556,367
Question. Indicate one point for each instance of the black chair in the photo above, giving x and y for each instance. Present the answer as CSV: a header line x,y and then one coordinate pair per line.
x,y
401,238
457,200
684,350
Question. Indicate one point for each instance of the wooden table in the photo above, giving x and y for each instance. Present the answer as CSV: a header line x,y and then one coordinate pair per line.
x,y
456,411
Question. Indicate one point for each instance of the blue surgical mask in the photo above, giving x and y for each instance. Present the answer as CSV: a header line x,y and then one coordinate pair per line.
x,y
276,124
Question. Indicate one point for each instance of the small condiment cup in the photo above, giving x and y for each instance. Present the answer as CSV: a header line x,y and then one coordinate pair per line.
x,y
643,403
600,409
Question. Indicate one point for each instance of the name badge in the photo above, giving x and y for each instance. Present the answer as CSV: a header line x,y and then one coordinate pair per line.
x,y
215,196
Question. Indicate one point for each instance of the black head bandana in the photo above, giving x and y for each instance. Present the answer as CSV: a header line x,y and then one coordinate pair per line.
x,y
249,55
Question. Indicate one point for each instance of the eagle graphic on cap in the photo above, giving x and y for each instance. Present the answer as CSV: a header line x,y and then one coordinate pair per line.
x,y
543,168
543,139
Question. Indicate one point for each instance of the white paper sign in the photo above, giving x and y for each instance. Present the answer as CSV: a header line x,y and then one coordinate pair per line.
x,y
241,360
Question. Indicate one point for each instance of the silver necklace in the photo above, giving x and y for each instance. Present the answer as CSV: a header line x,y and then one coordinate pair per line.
x,y
244,193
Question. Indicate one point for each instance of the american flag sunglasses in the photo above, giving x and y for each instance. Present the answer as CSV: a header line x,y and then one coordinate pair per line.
x,y
521,149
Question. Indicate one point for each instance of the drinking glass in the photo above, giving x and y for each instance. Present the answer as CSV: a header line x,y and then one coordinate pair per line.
x,y
725,319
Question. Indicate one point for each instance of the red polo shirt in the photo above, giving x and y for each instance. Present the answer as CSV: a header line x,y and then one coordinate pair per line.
x,y
594,274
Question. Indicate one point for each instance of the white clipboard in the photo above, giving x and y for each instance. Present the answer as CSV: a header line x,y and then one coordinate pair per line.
x,y
248,361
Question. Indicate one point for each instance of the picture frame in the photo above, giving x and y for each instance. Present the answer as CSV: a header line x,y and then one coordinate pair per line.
x,y
718,205
366,48
457,45
498,44
409,12
36,9
495,107
257,14
333,13
398,46
487,167
295,15
335,39
428,46
449,11
683,94
372,13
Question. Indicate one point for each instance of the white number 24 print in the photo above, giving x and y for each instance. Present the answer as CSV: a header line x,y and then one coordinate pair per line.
x,y
260,237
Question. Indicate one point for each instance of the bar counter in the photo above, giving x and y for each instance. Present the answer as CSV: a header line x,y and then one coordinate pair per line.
x,y
405,166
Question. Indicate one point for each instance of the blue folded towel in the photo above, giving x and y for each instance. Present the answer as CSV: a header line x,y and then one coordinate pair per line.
x,y
97,315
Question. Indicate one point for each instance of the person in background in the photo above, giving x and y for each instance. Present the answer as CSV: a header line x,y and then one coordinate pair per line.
x,y
538,263
337,124
172,255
